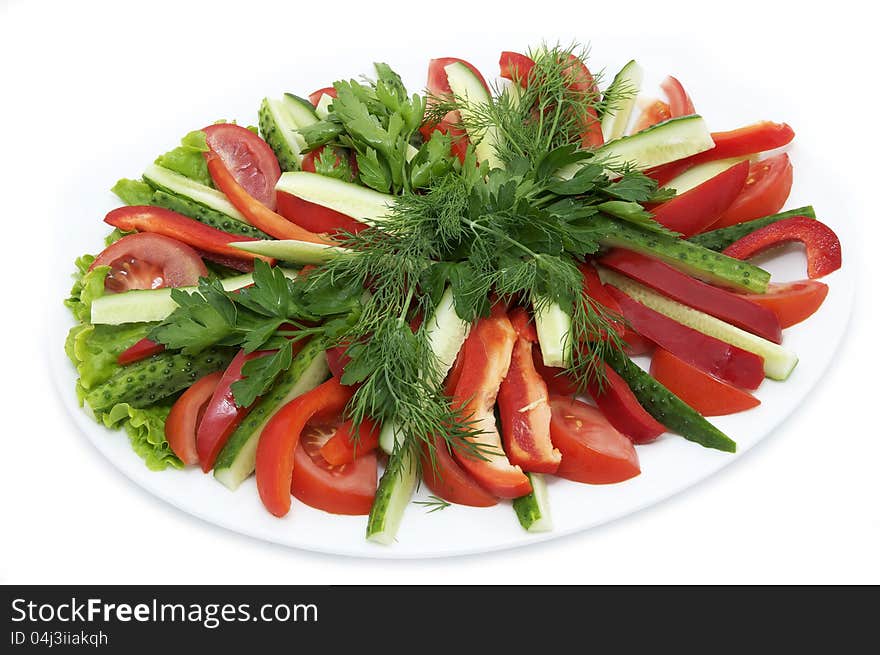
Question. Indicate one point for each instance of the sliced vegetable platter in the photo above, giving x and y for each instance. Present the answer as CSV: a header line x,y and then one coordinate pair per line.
x,y
667,465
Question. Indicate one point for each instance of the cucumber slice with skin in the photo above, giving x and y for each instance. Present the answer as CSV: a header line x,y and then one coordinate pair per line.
x,y
553,326
174,183
237,458
148,305
301,110
322,109
446,334
701,173
724,236
663,143
470,91
533,509
354,200
291,250
395,490
627,82
280,132
778,362
206,215
713,267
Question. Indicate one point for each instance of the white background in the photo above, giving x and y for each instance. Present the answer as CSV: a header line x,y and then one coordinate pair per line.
x,y
799,507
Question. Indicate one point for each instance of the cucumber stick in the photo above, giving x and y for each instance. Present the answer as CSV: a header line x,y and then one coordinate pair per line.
x,y
553,326
533,510
291,250
236,461
468,88
665,142
625,86
179,185
148,305
446,334
778,362
395,490
358,202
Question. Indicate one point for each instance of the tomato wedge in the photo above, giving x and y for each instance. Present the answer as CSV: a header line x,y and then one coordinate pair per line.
x,y
680,103
249,159
138,351
668,280
656,112
516,67
339,489
729,363
315,97
258,214
315,218
185,415
704,393
822,244
222,415
694,210
792,302
212,242
765,191
276,449
623,410
592,450
343,447
748,140
149,261
486,360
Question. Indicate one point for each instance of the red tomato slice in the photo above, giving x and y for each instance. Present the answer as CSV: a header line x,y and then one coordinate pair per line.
x,y
680,103
138,351
438,83
792,302
149,261
342,447
249,159
315,218
657,112
315,97
765,191
706,394
185,415
693,211
346,489
516,67
276,449
448,480
592,450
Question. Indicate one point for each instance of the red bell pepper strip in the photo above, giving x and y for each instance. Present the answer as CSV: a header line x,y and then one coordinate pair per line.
x,y
669,281
343,447
222,415
446,479
791,302
680,103
822,244
140,350
487,352
558,382
525,414
523,324
748,140
623,410
258,214
705,394
146,218
695,210
635,344
280,437
314,217
723,360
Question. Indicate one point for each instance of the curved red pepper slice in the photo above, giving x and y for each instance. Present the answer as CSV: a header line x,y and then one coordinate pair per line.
x,y
446,479
748,140
221,415
206,239
516,67
140,350
669,281
726,362
822,244
280,437
343,447
623,410
695,210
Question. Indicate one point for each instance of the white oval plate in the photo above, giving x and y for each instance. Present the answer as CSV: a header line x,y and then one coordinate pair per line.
x,y
669,465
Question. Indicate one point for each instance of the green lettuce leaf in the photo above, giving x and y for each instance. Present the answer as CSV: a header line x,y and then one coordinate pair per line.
x,y
133,192
94,349
187,158
146,432
87,286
